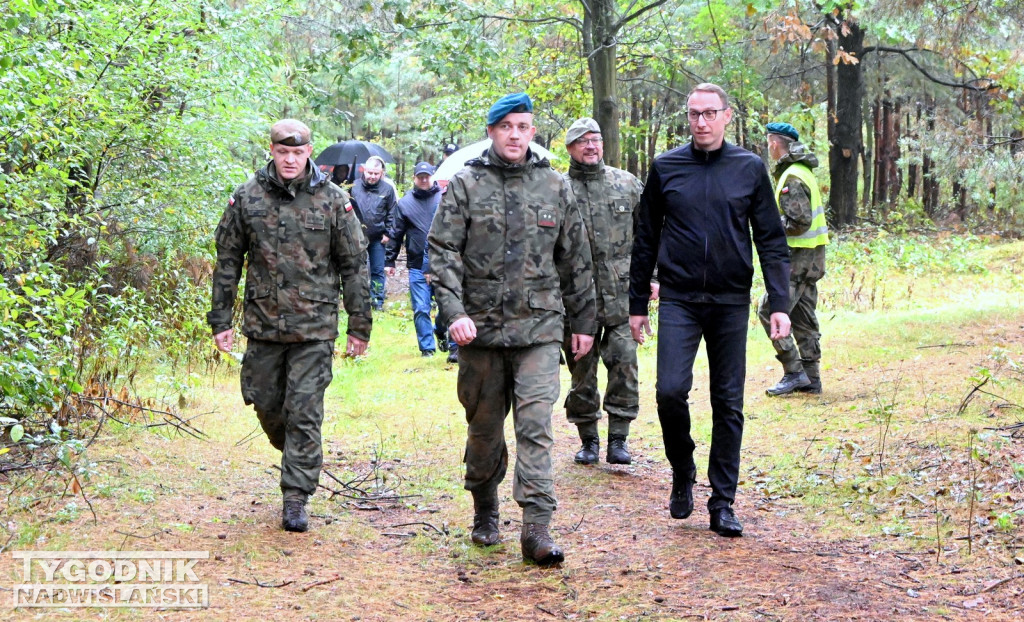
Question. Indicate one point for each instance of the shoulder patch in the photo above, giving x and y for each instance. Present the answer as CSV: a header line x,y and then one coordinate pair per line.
x,y
785,190
348,206
231,200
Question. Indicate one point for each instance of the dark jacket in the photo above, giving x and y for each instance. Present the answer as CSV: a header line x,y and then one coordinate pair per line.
x,y
375,207
413,215
302,248
697,212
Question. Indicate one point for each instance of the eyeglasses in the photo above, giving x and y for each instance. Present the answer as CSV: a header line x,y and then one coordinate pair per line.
x,y
709,115
589,141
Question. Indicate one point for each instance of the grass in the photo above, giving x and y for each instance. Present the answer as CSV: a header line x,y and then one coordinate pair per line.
x,y
877,466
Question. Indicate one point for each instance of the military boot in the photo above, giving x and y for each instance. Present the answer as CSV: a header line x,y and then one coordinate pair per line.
x,y
680,503
538,547
813,372
294,516
485,518
588,453
793,381
617,452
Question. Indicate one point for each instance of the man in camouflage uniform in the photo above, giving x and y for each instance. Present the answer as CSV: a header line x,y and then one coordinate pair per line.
x,y
607,198
803,216
302,242
510,259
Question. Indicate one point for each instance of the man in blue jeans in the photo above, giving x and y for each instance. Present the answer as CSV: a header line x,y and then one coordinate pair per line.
x,y
413,214
374,200
700,207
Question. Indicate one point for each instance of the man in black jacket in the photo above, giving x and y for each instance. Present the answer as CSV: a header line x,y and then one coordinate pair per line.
x,y
375,200
699,206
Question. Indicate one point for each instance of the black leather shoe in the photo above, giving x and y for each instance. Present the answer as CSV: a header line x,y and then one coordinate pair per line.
x,y
453,356
294,517
617,452
813,388
538,547
724,523
789,383
680,504
588,454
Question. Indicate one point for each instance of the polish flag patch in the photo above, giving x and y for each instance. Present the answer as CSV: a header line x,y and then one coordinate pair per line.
x,y
348,206
785,190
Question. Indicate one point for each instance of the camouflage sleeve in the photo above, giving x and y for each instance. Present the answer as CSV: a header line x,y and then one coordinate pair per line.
x,y
795,203
232,243
349,255
575,267
446,241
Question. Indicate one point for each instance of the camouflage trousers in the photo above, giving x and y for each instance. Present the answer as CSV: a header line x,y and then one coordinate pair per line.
x,y
525,380
614,346
801,351
285,383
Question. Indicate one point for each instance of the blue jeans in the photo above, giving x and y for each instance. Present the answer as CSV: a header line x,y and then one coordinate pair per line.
x,y
681,325
420,292
375,252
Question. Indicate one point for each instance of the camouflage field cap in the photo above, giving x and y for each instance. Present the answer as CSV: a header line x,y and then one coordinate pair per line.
x,y
579,128
290,133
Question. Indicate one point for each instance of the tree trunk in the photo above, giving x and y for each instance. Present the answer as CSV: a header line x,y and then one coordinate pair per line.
x,y
845,123
599,19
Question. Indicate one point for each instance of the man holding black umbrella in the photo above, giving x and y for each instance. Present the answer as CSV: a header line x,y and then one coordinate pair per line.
x,y
375,205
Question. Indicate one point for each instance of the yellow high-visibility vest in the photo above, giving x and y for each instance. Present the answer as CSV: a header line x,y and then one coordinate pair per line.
x,y
817,234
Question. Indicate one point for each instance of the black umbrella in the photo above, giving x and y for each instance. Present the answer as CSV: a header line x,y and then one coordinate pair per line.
x,y
352,153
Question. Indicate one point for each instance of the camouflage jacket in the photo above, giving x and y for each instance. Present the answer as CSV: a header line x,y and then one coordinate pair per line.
x,y
507,248
607,198
805,264
303,245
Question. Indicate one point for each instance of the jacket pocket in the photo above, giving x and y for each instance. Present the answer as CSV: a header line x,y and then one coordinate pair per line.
x,y
257,291
319,295
480,296
548,300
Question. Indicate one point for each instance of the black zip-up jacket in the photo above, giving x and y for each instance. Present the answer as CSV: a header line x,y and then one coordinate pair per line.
x,y
697,212
375,207
413,215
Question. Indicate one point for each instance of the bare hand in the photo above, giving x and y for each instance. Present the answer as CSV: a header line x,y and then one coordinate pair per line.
x,y
462,330
655,290
581,345
225,340
384,239
355,346
640,327
389,271
779,325
427,277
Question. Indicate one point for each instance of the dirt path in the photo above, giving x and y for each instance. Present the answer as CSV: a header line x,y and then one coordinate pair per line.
x,y
626,559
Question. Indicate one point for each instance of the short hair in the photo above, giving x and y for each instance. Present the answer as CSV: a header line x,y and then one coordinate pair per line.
x,y
708,87
370,160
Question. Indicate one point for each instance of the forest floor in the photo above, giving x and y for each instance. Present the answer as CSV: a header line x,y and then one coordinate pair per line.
x,y
857,504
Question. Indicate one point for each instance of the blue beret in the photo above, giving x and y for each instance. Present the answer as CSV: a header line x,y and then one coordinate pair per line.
x,y
784,129
515,102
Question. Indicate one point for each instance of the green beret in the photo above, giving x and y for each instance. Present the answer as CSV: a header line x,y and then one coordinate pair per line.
x,y
515,102
783,129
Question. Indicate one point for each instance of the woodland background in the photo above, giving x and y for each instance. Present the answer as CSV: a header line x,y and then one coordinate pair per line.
x,y
125,125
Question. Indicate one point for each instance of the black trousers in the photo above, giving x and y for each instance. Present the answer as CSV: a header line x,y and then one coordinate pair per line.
x,y
681,325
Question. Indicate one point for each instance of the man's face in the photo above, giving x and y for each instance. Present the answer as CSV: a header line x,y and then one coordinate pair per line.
x,y
707,135
422,181
511,136
587,149
372,172
290,162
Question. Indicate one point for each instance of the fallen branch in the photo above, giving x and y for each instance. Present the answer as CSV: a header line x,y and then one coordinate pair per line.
x,y
999,583
259,583
319,583
967,344
439,532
